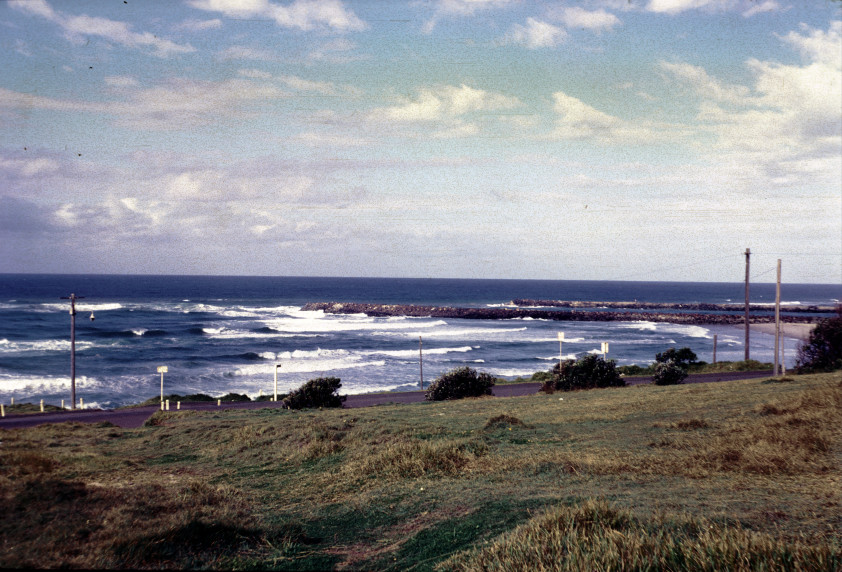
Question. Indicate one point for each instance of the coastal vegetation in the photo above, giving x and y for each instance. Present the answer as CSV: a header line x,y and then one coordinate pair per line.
x,y
320,392
459,383
589,372
738,475
823,350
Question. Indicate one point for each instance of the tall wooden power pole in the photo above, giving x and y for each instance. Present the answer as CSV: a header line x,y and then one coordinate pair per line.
x,y
72,298
748,255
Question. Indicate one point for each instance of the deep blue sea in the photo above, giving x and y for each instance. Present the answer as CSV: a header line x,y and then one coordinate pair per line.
x,y
221,334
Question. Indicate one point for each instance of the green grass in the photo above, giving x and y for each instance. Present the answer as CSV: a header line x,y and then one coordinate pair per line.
x,y
733,475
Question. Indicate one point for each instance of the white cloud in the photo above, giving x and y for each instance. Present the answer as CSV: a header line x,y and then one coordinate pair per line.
x,y
461,8
761,7
446,102
536,34
677,6
578,120
246,53
200,25
598,20
790,130
304,15
176,104
78,28
704,85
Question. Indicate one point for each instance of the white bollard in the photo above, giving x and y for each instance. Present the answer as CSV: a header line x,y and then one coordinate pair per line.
x,y
81,403
168,404
12,402
219,403
42,406
62,403
2,410
178,405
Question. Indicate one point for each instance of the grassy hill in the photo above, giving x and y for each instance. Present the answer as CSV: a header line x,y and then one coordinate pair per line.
x,y
738,475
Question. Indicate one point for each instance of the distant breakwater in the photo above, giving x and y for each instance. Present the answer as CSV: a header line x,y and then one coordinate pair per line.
x,y
385,310
664,306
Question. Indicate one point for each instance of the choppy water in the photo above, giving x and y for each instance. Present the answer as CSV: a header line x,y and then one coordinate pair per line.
x,y
225,334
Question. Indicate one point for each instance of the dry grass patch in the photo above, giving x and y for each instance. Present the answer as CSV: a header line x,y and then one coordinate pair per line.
x,y
597,536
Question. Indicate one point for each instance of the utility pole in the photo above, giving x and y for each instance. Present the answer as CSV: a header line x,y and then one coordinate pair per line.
x,y
748,255
778,321
72,298
421,361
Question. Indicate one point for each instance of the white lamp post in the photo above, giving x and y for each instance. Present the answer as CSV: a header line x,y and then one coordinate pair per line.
x,y
277,365
162,369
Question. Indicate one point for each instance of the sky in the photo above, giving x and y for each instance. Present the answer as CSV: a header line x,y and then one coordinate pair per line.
x,y
570,140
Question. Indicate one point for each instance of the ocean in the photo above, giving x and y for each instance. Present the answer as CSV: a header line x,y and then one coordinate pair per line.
x,y
221,334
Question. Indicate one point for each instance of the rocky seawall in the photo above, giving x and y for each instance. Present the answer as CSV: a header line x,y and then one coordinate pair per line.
x,y
538,314
663,306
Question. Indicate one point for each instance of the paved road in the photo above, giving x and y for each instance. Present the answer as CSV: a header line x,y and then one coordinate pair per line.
x,y
135,417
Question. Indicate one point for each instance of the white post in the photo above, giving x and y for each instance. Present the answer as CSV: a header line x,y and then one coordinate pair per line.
x,y
42,406
162,369
277,365
62,403
2,410
605,350
219,403
178,405
714,348
12,402
81,403
168,404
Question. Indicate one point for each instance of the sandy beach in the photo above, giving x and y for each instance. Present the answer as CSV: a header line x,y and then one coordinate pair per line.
x,y
790,330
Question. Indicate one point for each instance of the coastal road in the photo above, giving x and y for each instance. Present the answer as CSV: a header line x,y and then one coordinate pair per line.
x,y
136,416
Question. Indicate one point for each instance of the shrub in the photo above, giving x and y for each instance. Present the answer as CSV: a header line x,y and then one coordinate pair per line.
x,y
235,397
682,358
668,373
320,392
823,350
589,372
458,383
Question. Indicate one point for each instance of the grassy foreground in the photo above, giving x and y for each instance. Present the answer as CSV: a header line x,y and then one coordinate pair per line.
x,y
740,475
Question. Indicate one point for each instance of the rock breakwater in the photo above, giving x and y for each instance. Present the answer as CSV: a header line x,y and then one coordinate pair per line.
x,y
538,314
667,306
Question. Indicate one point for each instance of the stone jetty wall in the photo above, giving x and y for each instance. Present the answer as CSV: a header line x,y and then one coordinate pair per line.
x,y
663,306
560,315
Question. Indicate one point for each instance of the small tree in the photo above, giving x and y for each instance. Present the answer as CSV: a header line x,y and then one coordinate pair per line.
x,y
823,350
668,373
320,392
682,358
589,372
458,383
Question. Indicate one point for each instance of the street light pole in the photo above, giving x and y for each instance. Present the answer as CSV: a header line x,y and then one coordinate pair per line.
x,y
72,298
277,365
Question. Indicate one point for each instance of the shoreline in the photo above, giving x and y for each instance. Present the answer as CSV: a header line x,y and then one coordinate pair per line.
x,y
788,329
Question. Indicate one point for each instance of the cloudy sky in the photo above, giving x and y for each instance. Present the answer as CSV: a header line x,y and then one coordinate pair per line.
x,y
592,139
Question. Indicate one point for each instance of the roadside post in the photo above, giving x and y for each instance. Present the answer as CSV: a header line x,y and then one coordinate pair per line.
x,y
277,365
162,369
605,350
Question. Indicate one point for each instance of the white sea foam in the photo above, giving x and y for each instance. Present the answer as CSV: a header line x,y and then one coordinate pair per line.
x,y
7,346
510,372
414,353
30,384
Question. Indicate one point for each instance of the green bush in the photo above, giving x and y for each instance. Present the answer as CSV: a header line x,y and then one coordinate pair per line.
x,y
458,383
823,350
589,372
682,358
236,397
668,373
320,392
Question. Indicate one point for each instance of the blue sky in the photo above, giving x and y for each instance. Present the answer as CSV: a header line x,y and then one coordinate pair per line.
x,y
598,139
